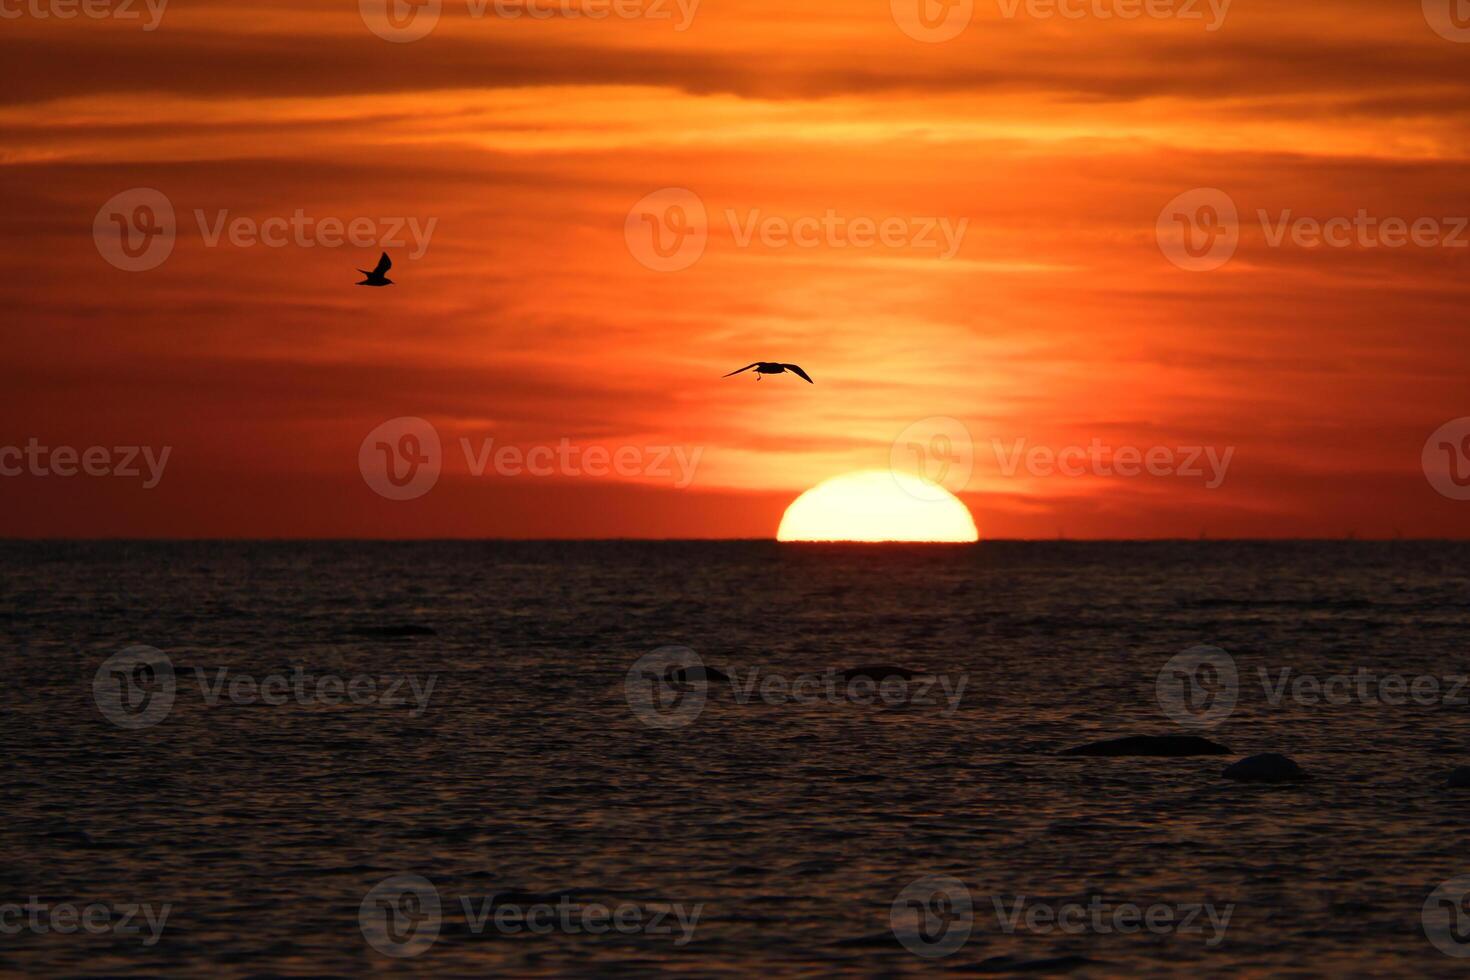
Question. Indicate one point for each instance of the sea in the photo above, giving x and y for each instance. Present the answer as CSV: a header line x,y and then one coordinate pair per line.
x,y
540,759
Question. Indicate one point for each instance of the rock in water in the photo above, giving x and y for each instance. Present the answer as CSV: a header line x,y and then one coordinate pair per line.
x,y
1155,745
1269,767
394,632
1459,779
1052,964
878,672
698,675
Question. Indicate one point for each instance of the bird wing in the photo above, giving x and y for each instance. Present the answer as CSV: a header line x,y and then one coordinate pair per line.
x,y
746,368
796,370
384,264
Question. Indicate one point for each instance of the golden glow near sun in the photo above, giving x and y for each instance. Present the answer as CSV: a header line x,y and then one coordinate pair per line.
x,y
877,505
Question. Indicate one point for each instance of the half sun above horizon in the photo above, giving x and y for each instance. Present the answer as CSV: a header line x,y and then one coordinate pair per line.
x,y
878,505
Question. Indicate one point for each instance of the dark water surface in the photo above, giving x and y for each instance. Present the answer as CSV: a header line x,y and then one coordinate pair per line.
x,y
792,826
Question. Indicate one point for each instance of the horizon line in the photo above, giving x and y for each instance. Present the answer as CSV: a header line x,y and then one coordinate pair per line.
x,y
763,540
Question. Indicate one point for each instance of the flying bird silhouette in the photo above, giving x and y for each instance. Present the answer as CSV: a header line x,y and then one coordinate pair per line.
x,y
772,367
379,275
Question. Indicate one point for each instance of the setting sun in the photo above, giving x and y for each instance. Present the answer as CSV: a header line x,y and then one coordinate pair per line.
x,y
876,505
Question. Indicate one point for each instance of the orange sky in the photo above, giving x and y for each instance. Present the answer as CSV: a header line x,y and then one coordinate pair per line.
x,y
1052,142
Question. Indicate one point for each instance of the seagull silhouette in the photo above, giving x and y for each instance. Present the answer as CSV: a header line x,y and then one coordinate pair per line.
x,y
772,367
379,275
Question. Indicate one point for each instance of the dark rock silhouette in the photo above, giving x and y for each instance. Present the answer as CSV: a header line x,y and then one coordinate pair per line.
x,y
394,632
877,940
696,675
1169,746
877,672
1268,767
1052,964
